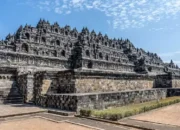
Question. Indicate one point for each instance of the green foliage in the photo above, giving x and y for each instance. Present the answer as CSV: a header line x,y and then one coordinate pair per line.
x,y
114,116
128,113
85,112
117,113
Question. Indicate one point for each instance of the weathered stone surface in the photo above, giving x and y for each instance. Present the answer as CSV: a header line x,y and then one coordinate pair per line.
x,y
9,89
176,83
173,92
46,86
22,84
75,102
88,82
167,81
108,85
58,47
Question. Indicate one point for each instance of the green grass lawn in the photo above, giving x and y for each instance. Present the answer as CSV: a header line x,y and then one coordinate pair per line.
x,y
117,113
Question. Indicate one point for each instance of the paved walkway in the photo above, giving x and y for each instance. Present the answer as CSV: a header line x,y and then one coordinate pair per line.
x,y
88,122
18,109
167,118
39,124
46,121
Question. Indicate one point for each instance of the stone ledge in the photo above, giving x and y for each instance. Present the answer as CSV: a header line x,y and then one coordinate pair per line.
x,y
113,92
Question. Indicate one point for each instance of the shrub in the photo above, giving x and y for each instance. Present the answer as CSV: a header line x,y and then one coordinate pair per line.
x,y
115,116
141,110
105,116
177,100
85,112
128,113
164,104
172,102
147,108
158,105
117,113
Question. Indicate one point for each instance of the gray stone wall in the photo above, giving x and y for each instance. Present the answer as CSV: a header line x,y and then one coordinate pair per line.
x,y
114,99
8,86
167,81
74,90
96,81
175,83
108,85
44,83
22,84
75,102
17,59
26,87
66,82
163,81
59,101
30,89
173,92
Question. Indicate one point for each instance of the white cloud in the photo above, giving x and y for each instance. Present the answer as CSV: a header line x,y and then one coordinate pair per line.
x,y
68,12
124,14
58,10
45,3
77,1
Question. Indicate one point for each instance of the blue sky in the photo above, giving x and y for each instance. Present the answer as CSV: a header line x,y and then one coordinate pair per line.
x,y
153,25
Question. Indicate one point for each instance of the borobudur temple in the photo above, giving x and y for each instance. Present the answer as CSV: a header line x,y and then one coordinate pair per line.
x,y
59,67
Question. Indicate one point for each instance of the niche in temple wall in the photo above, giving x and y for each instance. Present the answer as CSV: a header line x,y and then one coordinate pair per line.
x,y
24,48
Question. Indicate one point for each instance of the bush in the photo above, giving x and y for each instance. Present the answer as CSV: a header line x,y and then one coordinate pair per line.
x,y
172,102
85,112
117,113
105,116
164,104
141,110
146,108
128,113
115,116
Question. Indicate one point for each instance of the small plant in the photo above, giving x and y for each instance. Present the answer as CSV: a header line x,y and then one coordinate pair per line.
x,y
115,116
85,112
128,113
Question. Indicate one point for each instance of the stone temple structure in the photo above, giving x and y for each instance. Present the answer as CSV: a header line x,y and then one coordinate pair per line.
x,y
59,67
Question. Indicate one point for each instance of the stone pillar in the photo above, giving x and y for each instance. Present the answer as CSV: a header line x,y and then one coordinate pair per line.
x,y
26,83
30,89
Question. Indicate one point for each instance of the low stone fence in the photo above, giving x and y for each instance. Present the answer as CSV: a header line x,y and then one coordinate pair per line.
x,y
75,102
59,101
114,99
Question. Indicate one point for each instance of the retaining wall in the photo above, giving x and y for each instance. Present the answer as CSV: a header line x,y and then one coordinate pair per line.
x,y
75,102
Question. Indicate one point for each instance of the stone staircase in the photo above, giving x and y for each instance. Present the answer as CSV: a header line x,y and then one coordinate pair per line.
x,y
10,95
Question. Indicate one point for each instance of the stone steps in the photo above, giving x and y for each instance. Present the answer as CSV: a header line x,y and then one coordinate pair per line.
x,y
12,101
7,90
11,98
4,92
10,95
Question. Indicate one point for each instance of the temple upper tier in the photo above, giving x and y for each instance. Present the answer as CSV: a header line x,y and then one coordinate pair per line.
x,y
52,46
